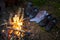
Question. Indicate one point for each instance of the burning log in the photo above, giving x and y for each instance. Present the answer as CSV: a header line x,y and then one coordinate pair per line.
x,y
15,27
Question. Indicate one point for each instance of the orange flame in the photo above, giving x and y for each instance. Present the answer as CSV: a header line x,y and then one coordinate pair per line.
x,y
17,24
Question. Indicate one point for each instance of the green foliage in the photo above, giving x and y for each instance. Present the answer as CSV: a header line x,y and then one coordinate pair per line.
x,y
39,2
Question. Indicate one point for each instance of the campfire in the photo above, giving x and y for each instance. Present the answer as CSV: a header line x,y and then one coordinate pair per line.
x,y
15,26
20,28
